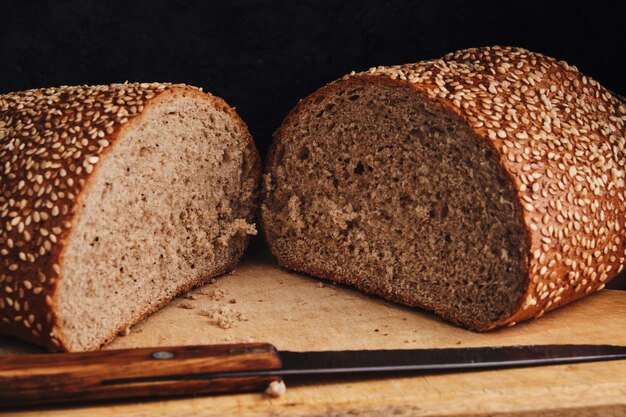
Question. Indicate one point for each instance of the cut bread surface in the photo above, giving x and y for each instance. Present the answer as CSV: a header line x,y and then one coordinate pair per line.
x,y
168,207
372,184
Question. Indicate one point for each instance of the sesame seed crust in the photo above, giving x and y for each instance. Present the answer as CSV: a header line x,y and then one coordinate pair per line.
x,y
560,136
51,142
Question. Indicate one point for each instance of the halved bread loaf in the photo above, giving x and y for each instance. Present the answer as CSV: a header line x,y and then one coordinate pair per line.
x,y
486,186
114,199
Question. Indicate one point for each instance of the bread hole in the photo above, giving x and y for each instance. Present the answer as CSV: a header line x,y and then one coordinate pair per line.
x,y
143,151
354,97
444,211
406,199
448,238
319,99
304,153
226,156
358,169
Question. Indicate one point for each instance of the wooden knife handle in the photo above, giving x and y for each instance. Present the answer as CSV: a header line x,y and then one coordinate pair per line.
x,y
109,374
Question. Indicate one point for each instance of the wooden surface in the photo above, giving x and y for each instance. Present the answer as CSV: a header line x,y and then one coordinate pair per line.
x,y
295,313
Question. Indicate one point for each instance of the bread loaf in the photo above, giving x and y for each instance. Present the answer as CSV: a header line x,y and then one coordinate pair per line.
x,y
114,199
486,186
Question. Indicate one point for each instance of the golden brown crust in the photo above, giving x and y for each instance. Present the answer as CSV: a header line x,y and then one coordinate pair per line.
x,y
51,141
560,137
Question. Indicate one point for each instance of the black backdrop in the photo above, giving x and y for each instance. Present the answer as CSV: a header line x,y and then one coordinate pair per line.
x,y
264,55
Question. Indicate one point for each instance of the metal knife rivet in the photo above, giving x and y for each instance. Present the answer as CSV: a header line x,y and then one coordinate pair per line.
x,y
162,354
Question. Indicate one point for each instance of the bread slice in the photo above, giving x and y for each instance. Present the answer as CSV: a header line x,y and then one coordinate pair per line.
x,y
487,186
113,200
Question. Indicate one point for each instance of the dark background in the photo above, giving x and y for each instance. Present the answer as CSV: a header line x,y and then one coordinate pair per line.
x,y
262,56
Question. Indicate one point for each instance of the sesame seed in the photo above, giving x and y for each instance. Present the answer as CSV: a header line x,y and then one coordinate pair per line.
x,y
572,171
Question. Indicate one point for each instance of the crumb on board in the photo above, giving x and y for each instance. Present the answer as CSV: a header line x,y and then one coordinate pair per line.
x,y
320,284
276,389
223,316
186,305
232,301
217,294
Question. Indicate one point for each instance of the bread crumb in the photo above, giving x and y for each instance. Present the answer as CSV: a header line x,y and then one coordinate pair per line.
x,y
238,226
217,294
295,213
186,305
342,217
189,296
320,284
232,301
422,213
223,316
267,181
276,389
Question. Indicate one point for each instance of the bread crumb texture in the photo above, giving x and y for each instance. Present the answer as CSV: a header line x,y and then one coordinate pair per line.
x,y
50,141
113,200
558,138
561,137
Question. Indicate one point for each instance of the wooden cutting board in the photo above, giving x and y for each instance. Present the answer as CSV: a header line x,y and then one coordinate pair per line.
x,y
265,303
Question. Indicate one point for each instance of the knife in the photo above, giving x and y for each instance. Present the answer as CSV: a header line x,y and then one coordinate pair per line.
x,y
187,370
